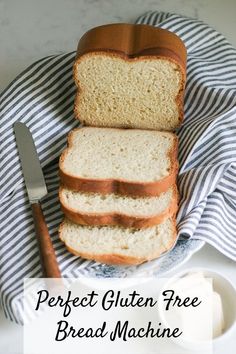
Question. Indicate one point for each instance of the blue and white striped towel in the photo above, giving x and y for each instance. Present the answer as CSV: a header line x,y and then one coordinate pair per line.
x,y
42,96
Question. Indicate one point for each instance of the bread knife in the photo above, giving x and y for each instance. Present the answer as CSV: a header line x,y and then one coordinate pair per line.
x,y
36,189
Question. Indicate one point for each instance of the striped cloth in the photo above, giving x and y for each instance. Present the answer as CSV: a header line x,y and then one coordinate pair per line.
x,y
42,96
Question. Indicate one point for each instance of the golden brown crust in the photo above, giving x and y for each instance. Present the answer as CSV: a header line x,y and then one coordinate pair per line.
x,y
119,219
132,42
108,186
117,259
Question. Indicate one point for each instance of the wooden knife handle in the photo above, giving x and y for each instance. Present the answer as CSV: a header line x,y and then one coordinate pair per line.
x,y
47,254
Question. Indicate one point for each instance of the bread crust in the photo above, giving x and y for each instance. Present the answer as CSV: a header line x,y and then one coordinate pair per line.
x,y
108,186
119,219
132,42
122,260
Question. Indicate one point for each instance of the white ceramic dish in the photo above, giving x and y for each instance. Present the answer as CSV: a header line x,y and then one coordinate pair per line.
x,y
225,289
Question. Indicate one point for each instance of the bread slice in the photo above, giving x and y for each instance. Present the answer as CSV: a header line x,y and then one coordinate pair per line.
x,y
111,209
130,76
120,161
115,245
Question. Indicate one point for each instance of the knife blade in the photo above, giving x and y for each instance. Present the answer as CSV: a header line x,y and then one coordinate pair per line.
x,y
32,171
36,189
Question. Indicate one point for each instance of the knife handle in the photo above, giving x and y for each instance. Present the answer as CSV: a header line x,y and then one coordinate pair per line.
x,y
47,254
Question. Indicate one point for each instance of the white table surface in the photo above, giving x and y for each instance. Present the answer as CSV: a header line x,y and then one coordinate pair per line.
x,y
31,29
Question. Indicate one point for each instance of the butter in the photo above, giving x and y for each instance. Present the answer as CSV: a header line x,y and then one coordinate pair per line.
x,y
197,284
218,315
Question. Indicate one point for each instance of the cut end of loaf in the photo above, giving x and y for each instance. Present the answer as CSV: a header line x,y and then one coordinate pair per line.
x,y
144,93
115,245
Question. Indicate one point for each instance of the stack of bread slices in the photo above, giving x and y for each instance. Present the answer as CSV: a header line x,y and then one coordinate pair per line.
x,y
118,186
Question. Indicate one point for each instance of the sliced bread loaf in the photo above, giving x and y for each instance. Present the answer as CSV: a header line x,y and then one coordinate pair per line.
x,y
111,209
130,76
115,245
120,161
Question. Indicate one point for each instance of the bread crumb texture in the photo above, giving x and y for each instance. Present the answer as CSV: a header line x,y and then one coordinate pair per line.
x,y
121,154
94,203
137,93
144,244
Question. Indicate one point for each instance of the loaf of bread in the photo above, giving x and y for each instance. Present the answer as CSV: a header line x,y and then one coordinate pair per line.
x,y
121,161
118,186
112,209
116,245
130,76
